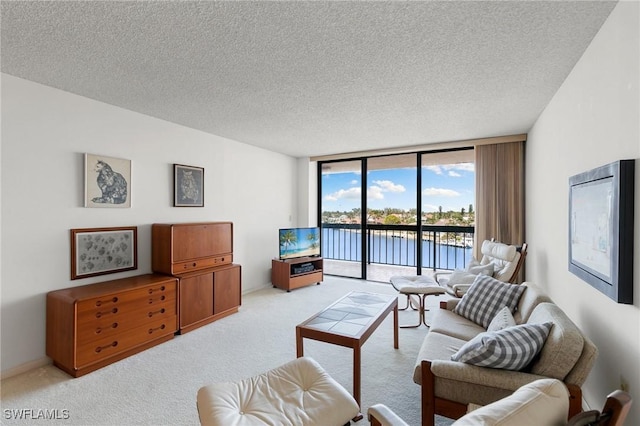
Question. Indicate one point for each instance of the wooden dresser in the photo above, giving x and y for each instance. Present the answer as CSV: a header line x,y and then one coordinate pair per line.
x,y
91,326
200,255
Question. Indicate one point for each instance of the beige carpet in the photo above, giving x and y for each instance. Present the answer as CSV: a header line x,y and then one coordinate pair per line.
x,y
159,385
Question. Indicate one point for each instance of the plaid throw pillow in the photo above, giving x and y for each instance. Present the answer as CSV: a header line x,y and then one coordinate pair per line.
x,y
511,348
486,297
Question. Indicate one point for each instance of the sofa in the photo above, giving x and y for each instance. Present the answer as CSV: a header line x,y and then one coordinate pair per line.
x,y
464,359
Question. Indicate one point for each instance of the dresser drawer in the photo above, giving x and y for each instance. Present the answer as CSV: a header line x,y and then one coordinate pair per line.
x,y
112,305
104,347
198,264
110,325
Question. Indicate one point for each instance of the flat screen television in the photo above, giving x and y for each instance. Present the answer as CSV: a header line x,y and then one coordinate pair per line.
x,y
299,242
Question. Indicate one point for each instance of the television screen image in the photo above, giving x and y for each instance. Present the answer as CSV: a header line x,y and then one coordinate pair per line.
x,y
299,242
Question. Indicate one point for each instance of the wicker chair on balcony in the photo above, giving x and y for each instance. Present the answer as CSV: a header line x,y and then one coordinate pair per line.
x,y
501,261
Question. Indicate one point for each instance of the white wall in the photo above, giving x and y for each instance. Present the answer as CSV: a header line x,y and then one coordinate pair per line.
x,y
594,119
45,133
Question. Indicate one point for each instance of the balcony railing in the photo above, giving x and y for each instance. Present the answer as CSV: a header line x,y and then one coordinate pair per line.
x,y
443,247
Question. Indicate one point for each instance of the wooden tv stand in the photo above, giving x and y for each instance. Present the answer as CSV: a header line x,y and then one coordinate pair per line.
x,y
284,276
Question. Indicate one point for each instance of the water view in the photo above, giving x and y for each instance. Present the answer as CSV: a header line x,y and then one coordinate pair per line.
x,y
396,248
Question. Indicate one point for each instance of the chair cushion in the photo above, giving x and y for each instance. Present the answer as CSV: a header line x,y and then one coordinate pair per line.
x,y
498,250
299,392
541,402
481,269
503,257
512,348
416,284
486,297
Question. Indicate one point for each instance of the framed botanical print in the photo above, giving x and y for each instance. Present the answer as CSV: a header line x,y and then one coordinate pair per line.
x,y
99,251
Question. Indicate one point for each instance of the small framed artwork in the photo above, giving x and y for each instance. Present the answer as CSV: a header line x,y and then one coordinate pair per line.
x,y
188,186
100,251
107,181
601,216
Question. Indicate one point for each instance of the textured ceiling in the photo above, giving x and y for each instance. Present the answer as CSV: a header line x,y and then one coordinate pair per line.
x,y
309,78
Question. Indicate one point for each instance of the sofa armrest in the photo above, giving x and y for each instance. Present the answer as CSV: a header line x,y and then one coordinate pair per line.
x,y
460,289
449,304
381,415
491,377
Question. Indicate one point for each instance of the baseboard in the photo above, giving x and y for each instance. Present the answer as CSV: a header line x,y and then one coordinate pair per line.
x,y
23,368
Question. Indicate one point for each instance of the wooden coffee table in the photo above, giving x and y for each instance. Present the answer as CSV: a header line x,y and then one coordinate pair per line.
x,y
349,322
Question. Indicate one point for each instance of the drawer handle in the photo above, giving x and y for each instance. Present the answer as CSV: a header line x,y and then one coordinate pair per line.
x,y
162,327
100,329
161,311
151,290
162,298
100,314
100,302
101,348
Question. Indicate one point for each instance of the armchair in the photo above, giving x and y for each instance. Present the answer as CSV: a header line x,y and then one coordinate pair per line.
x,y
501,261
542,402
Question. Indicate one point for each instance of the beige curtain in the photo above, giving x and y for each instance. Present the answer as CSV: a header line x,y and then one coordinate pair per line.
x,y
500,193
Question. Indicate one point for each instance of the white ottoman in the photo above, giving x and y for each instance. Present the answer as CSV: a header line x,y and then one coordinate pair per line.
x,y
418,285
299,392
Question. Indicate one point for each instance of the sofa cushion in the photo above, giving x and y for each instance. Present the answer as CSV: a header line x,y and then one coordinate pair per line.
x,y
503,319
486,297
541,402
512,348
532,297
435,346
446,322
563,346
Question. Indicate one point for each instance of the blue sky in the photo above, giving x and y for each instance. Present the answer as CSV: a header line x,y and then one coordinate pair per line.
x,y
449,186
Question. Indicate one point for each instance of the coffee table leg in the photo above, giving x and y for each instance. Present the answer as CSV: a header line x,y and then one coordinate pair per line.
x,y
299,343
356,379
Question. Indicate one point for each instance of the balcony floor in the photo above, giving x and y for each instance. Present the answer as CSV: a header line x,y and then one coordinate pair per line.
x,y
375,272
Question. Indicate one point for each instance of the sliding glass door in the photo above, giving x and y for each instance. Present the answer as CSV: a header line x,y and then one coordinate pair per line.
x,y
341,217
391,216
402,214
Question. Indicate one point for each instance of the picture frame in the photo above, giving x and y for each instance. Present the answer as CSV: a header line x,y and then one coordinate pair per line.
x,y
100,251
107,181
188,186
601,222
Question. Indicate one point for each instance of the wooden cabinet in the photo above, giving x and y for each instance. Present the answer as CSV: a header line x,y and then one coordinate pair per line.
x,y
200,255
293,273
208,295
185,247
91,326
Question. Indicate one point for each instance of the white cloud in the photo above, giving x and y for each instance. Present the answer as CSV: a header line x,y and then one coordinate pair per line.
x,y
463,167
388,186
350,194
453,173
435,169
354,182
442,192
375,193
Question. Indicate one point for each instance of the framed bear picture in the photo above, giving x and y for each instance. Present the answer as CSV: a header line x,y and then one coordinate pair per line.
x,y
107,181
188,186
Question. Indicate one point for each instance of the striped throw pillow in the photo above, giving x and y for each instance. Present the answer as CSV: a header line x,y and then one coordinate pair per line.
x,y
511,348
486,297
